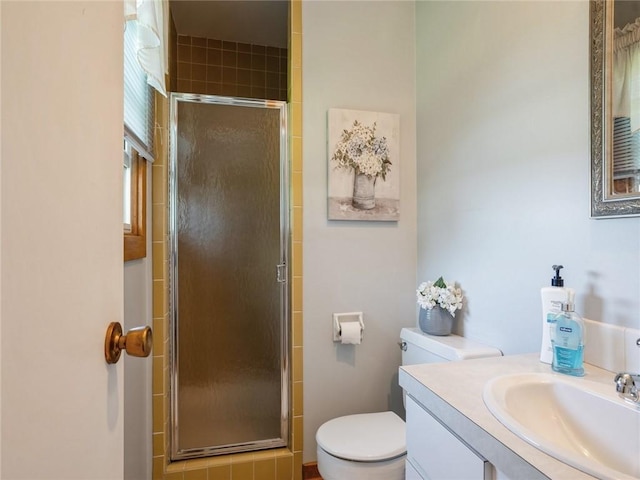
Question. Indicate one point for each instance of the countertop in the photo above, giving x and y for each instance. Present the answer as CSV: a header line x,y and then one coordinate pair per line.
x,y
453,392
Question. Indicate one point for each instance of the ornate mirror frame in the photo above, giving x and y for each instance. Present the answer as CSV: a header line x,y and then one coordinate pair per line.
x,y
603,205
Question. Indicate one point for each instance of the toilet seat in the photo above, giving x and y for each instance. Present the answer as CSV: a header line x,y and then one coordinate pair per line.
x,y
367,437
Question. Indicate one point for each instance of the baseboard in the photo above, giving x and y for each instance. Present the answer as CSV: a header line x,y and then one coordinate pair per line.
x,y
310,471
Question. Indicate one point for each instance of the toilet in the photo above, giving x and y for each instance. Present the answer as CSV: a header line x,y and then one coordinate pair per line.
x,y
372,446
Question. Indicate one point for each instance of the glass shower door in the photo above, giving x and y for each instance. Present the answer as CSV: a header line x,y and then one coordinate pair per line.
x,y
228,227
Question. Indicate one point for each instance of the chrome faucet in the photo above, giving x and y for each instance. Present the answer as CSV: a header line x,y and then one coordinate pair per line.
x,y
628,386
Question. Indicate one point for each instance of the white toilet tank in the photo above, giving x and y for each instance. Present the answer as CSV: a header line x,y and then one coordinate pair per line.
x,y
418,347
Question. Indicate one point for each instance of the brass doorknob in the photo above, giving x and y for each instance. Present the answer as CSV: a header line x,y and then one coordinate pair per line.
x,y
137,342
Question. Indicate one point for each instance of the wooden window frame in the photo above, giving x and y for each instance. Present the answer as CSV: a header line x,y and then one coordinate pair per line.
x,y
135,241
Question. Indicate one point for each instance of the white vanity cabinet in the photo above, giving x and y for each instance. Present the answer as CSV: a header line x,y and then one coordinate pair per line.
x,y
452,435
435,453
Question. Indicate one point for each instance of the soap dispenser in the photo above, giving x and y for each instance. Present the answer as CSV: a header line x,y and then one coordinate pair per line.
x,y
567,339
552,299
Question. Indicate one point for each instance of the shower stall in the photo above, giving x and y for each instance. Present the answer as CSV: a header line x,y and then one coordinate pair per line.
x,y
229,281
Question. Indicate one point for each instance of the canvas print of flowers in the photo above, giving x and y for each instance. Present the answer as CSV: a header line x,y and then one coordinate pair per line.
x,y
364,165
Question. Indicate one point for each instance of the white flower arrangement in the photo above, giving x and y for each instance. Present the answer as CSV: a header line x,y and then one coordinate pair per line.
x,y
440,293
359,149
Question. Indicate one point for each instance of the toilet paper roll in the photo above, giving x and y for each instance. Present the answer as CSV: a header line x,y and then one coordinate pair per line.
x,y
351,333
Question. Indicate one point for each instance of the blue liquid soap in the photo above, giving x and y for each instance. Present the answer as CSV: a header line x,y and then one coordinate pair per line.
x,y
567,340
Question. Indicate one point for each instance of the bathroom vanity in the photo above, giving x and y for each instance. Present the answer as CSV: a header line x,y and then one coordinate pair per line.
x,y
451,434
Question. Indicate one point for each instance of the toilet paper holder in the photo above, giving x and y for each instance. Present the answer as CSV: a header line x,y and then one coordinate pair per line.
x,y
339,318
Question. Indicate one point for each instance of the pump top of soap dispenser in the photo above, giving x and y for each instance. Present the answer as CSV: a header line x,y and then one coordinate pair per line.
x,y
568,307
557,281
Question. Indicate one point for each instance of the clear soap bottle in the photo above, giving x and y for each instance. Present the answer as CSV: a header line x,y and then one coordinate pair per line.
x,y
567,340
552,299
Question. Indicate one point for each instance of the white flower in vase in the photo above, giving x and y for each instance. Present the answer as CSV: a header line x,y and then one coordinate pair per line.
x,y
441,294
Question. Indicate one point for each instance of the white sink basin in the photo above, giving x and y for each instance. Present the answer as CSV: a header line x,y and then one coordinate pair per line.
x,y
581,423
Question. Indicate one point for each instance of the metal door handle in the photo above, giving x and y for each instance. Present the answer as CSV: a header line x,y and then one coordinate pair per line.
x,y
137,342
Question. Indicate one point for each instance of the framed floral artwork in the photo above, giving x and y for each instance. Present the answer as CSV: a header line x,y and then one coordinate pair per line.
x,y
364,165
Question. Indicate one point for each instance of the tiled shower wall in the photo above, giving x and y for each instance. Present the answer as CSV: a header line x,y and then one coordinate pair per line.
x,y
217,67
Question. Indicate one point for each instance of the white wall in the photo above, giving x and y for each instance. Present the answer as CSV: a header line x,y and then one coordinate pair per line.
x,y
503,168
361,56
138,429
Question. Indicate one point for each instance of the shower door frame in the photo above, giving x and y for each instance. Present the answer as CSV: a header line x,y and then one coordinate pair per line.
x,y
281,273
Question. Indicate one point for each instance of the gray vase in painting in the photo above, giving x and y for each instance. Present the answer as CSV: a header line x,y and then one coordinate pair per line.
x,y
364,191
435,321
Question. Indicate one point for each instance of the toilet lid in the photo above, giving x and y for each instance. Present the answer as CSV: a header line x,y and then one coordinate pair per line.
x,y
366,437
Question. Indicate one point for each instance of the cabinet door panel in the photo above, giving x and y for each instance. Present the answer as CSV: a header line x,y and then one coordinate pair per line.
x,y
437,451
411,473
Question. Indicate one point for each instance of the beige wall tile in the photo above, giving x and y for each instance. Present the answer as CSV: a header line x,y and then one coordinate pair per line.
x,y
159,259
297,294
297,434
242,471
265,469
296,154
157,380
160,304
296,50
296,189
295,124
158,444
219,461
298,398
297,364
284,467
158,337
297,466
158,468
219,472
296,85
297,329
297,224
296,16
158,184
197,464
159,226
196,474
158,413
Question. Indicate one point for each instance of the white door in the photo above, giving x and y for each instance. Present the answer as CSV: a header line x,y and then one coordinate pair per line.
x,y
61,239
